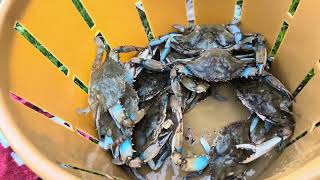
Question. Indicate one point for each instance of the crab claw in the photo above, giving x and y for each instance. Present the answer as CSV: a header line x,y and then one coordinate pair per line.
x,y
259,150
125,149
106,143
150,64
195,164
248,72
153,150
135,163
117,113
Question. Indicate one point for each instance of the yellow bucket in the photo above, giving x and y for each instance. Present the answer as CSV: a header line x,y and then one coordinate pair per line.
x,y
58,26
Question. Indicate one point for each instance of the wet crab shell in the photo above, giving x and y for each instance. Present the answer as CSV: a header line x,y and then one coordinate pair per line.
x,y
107,83
149,85
216,65
130,101
203,37
261,98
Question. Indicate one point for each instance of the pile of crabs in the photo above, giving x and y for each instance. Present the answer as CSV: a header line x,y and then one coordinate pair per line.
x,y
138,105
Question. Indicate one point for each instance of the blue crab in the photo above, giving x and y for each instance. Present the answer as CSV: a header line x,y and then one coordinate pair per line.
x,y
201,37
217,65
267,97
232,149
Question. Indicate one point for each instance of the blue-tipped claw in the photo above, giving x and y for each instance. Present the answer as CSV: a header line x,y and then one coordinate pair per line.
x,y
126,150
248,72
106,143
118,114
195,164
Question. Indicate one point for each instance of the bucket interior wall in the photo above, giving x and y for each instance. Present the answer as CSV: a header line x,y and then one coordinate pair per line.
x,y
61,30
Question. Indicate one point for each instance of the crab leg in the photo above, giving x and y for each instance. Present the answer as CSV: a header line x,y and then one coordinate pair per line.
x,y
100,49
153,150
245,56
277,84
124,49
163,157
166,50
193,85
254,124
205,145
177,142
235,30
261,57
168,38
149,64
159,41
259,150
116,156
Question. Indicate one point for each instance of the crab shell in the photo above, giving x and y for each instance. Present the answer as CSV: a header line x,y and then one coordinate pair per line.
x,y
107,84
149,85
203,37
130,101
216,65
263,99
